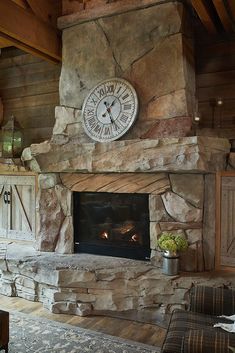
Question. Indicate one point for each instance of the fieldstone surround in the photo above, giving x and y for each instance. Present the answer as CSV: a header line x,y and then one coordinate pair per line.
x,y
173,172
84,284
176,203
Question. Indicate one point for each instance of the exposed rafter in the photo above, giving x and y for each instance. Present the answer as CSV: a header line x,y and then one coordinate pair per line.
x,y
231,4
22,3
216,15
46,10
25,27
204,15
223,14
4,43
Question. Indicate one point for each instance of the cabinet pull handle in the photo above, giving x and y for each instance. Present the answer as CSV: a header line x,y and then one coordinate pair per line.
x,y
5,197
9,197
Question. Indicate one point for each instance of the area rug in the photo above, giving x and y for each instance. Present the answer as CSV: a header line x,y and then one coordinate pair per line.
x,y
39,335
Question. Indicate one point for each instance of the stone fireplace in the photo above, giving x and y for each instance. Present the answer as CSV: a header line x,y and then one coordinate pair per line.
x,y
158,157
151,47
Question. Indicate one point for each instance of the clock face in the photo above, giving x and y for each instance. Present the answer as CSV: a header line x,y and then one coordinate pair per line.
x,y
109,110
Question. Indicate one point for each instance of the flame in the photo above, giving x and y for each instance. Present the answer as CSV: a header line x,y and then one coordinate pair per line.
x,y
135,237
104,235
126,228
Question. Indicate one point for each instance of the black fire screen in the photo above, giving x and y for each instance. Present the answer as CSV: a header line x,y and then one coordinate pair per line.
x,y
112,224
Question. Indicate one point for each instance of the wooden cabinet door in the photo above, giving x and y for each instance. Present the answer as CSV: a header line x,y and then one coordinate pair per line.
x,y
227,221
17,207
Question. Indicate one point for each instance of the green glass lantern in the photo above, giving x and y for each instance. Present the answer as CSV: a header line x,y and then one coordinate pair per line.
x,y
12,139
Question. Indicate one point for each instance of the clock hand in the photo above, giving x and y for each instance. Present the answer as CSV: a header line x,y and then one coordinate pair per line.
x,y
110,116
112,104
109,111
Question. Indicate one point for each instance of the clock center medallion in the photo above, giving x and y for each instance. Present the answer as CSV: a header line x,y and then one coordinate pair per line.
x,y
108,109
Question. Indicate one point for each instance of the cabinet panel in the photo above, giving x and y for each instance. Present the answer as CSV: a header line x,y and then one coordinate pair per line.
x,y
19,211
228,221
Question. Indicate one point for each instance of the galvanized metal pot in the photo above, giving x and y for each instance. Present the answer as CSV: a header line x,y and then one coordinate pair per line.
x,y
170,264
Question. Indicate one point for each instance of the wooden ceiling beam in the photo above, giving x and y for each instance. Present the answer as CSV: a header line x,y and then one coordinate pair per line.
x,y
21,3
223,15
27,32
231,4
47,10
4,43
204,15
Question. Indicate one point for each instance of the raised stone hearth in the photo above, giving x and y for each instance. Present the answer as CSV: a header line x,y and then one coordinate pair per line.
x,y
83,284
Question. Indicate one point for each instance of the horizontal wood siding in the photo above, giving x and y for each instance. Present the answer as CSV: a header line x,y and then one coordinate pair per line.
x,y
215,78
29,88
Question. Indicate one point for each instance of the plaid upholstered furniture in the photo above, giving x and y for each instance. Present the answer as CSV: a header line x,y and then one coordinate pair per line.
x,y
192,331
4,330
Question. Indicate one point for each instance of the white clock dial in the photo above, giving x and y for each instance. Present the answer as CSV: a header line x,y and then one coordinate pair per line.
x,y
109,110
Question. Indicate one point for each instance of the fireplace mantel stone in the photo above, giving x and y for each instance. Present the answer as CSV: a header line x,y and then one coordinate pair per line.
x,y
186,154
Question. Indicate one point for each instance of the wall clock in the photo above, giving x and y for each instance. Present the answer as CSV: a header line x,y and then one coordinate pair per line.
x,y
109,110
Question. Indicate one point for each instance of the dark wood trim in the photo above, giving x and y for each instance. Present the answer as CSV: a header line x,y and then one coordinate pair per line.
x,y
218,266
217,220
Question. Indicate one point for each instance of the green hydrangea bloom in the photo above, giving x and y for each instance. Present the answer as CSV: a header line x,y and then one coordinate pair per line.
x,y
172,242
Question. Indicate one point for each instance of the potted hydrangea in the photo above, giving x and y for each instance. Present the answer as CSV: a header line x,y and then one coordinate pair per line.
x,y
171,244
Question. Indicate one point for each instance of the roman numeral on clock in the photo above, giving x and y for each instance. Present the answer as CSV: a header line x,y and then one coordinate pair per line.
x,y
118,89
91,121
94,101
110,89
90,111
127,106
97,128
107,131
115,127
123,118
101,92
125,97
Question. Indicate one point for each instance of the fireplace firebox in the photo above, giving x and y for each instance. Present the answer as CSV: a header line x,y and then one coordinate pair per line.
x,y
113,224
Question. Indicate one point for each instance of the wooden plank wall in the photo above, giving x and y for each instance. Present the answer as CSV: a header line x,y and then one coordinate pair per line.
x,y
215,78
29,88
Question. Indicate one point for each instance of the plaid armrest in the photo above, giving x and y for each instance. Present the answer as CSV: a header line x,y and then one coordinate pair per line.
x,y
208,341
212,301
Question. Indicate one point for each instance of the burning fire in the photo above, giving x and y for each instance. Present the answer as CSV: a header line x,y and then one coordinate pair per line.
x,y
135,237
104,235
126,228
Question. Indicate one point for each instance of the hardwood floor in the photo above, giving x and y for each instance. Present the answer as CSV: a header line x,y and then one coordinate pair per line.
x,y
128,329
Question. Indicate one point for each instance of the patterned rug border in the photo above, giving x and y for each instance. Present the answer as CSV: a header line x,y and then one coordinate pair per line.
x,y
96,334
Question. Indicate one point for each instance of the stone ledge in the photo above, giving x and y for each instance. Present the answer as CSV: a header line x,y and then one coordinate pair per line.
x,y
186,154
8,165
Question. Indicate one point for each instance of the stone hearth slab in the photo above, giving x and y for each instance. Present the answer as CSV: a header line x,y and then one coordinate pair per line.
x,y
83,284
